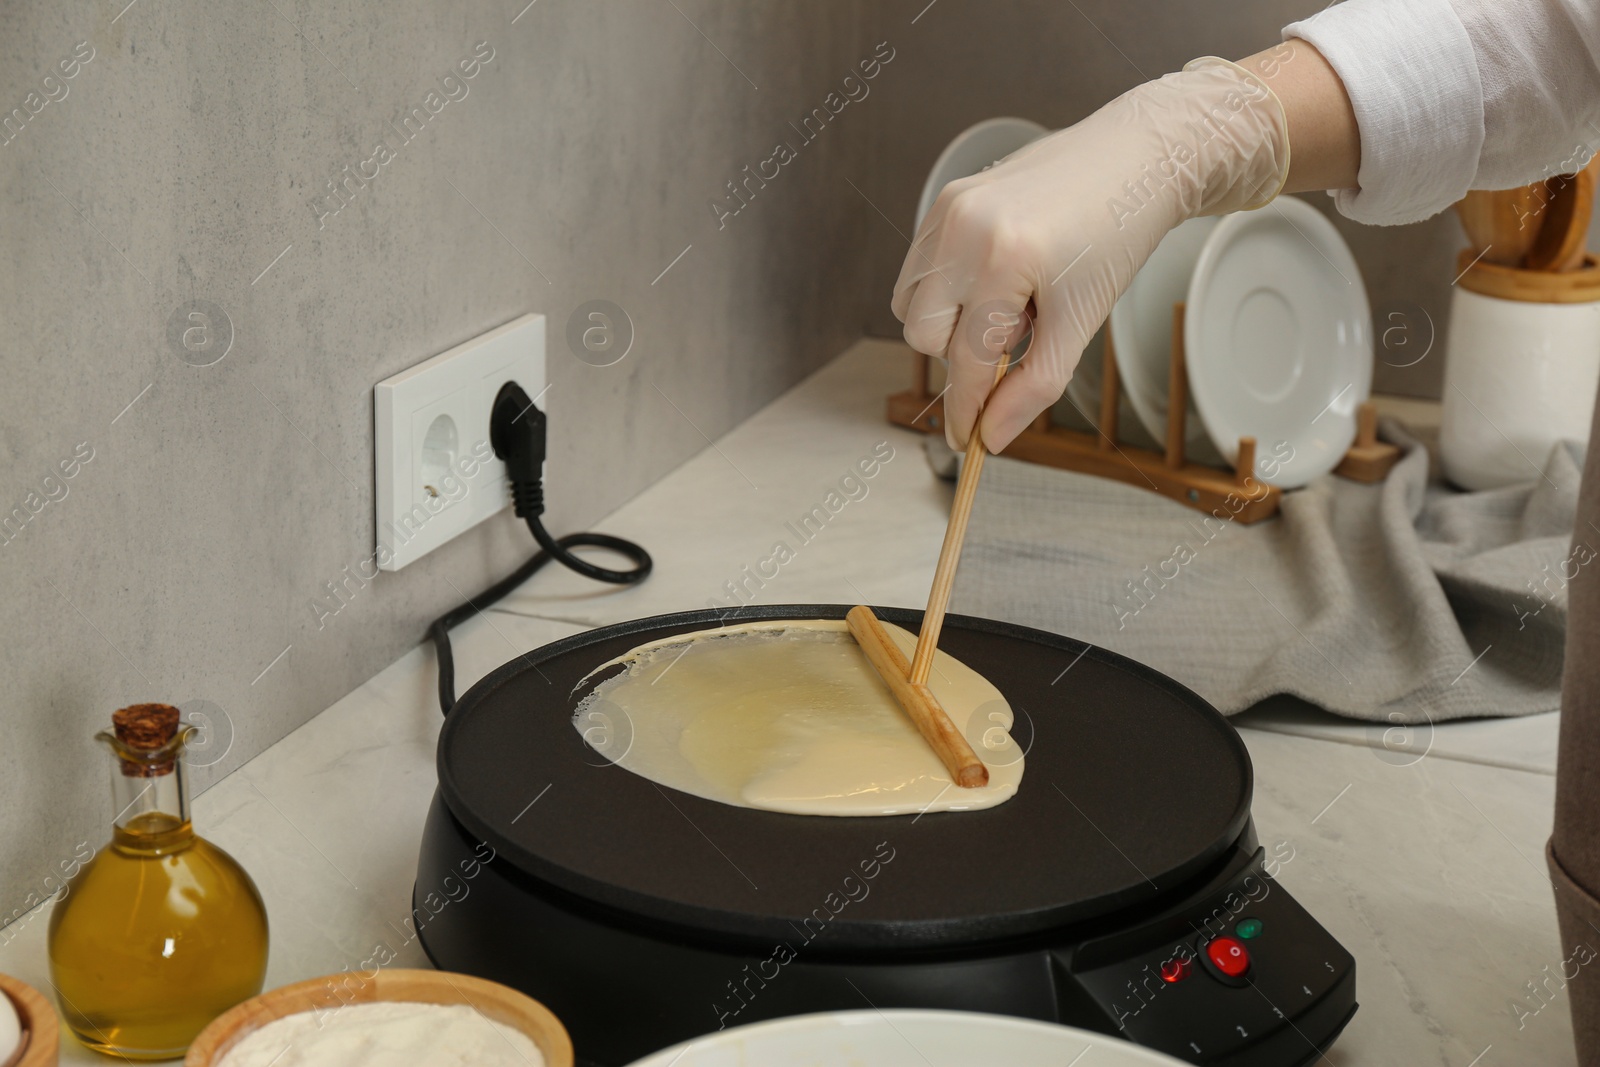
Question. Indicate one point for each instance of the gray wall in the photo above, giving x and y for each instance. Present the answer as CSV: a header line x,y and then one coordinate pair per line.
x,y
1055,62
184,157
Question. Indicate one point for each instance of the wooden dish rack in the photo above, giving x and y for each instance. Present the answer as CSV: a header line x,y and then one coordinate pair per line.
x,y
1239,492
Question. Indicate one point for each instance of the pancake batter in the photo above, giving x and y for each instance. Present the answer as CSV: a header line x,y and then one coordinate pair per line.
x,y
789,716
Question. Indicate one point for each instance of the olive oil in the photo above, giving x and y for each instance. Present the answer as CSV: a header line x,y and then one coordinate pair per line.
x,y
162,931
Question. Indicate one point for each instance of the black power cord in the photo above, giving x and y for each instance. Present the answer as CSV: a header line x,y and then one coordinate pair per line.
x,y
517,432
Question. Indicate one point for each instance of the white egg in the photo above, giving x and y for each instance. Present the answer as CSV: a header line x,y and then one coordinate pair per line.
x,y
10,1028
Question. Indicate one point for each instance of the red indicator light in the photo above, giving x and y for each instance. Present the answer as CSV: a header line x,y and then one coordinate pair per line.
x,y
1228,955
1175,970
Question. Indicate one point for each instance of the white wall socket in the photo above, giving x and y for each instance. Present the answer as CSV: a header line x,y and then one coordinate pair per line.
x,y
437,474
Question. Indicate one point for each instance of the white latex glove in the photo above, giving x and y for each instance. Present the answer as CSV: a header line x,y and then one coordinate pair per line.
x,y
1066,222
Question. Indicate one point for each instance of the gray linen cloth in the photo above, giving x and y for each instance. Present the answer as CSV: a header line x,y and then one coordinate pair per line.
x,y
1403,601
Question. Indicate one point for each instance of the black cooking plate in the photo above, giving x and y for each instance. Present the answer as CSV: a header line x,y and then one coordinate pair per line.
x,y
1133,784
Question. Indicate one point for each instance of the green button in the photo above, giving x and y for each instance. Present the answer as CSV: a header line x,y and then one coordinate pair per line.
x,y
1248,928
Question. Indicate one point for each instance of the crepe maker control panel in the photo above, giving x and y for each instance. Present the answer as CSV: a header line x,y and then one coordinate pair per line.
x,y
1243,975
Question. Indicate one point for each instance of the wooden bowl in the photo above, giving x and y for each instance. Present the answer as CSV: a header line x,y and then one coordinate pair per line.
x,y
498,1002
41,1046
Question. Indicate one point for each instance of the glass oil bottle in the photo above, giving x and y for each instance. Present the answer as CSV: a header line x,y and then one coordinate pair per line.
x,y
162,931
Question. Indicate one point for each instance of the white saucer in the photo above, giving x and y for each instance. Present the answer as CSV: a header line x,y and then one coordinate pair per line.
x,y
1141,330
973,149
1279,340
905,1038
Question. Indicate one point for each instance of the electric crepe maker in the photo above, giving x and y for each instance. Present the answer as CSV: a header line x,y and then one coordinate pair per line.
x,y
1121,890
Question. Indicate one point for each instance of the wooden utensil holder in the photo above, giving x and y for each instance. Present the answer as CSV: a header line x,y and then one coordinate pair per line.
x,y
1237,494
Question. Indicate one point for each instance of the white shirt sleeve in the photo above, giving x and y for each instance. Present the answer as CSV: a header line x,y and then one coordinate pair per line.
x,y
1451,95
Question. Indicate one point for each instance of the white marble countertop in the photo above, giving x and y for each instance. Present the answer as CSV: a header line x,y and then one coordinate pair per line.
x,y
1431,873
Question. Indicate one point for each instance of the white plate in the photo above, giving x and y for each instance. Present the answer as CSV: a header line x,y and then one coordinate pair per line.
x,y
1141,331
973,149
900,1038
1279,340
1081,403
1083,388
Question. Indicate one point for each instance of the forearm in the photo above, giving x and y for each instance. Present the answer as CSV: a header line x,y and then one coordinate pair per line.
x,y
1324,141
1452,95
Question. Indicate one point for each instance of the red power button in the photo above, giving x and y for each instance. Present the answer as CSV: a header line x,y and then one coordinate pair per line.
x,y
1228,956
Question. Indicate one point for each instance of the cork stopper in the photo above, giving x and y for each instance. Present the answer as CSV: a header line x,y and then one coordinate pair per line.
x,y
145,728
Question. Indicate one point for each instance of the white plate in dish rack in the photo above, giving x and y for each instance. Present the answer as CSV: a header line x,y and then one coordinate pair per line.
x,y
901,1038
1278,337
1141,331
973,149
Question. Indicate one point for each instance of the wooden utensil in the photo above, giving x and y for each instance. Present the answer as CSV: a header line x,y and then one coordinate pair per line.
x,y
1502,224
931,720
41,1031
909,684
331,992
1560,242
944,574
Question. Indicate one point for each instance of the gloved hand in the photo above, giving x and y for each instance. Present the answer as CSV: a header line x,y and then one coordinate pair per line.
x,y
1066,222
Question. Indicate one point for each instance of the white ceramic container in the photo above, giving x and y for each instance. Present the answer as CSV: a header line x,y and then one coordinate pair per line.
x,y
1519,376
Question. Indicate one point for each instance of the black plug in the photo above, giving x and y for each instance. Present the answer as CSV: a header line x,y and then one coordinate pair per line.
x,y
517,432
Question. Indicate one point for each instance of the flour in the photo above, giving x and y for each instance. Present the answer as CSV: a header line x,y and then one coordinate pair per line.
x,y
386,1034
